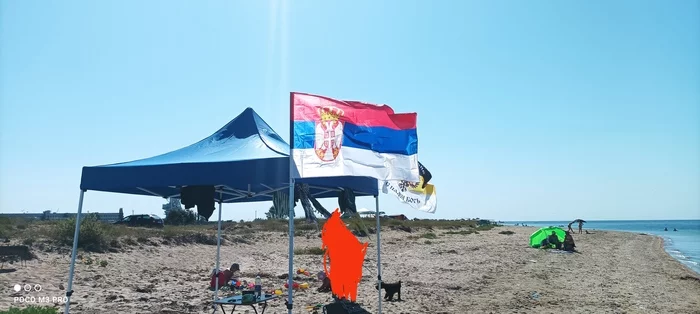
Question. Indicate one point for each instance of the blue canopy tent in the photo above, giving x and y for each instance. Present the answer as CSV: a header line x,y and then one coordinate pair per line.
x,y
246,161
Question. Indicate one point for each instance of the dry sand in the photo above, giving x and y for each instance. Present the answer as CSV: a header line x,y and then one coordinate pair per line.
x,y
456,273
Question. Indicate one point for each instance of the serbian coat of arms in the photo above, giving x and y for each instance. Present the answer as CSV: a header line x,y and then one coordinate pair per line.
x,y
329,133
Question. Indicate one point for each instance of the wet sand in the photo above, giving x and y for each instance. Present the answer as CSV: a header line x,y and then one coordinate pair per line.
x,y
615,272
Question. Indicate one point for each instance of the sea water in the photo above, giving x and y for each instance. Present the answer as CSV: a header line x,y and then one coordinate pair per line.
x,y
683,245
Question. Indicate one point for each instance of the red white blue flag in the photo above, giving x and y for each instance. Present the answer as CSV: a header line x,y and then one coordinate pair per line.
x,y
349,138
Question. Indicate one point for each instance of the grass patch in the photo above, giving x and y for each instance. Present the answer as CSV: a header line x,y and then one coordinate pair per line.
x,y
32,310
190,237
309,251
94,235
426,223
275,225
485,227
130,241
429,235
463,232
305,227
28,241
507,232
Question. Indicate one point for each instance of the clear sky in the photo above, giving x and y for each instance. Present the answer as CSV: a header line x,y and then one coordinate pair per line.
x,y
527,110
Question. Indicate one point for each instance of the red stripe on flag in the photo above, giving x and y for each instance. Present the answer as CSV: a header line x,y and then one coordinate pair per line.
x,y
306,108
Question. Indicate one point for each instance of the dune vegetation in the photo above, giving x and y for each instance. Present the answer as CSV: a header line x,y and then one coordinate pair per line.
x,y
97,236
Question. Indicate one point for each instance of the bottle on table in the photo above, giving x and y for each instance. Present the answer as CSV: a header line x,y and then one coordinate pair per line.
x,y
258,287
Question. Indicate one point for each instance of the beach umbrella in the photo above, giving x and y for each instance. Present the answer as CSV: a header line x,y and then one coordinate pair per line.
x,y
579,220
542,233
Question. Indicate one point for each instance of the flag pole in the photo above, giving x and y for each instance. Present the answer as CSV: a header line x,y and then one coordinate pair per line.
x,y
379,253
218,254
290,287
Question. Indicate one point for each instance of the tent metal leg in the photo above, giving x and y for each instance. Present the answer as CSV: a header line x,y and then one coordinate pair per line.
x,y
379,254
218,251
74,253
290,288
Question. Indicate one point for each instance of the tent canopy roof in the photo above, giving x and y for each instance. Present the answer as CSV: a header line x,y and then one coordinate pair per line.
x,y
246,160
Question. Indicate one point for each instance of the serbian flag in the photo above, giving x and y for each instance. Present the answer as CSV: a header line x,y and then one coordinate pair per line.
x,y
349,138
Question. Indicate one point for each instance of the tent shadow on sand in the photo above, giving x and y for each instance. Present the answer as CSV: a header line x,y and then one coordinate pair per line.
x,y
344,307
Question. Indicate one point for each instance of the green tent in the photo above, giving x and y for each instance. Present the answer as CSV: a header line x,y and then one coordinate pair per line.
x,y
541,234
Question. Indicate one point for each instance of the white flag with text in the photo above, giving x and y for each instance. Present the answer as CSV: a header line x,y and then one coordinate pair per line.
x,y
413,194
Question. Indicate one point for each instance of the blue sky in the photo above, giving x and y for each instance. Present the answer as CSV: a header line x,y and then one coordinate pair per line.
x,y
537,110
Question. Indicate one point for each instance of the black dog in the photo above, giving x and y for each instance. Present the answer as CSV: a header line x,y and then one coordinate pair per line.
x,y
391,289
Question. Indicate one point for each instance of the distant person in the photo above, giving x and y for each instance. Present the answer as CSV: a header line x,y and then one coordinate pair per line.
x,y
569,244
665,229
223,277
570,230
674,229
580,227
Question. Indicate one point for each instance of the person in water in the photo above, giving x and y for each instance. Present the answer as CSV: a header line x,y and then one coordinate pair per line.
x,y
665,229
674,229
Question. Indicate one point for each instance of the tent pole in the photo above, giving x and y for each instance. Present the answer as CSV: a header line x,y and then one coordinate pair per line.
x,y
379,253
290,283
218,252
71,272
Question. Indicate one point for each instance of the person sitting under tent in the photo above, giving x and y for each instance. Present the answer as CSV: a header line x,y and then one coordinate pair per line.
x,y
223,277
554,240
569,244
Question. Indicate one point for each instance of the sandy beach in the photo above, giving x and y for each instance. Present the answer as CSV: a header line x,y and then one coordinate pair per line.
x,y
488,272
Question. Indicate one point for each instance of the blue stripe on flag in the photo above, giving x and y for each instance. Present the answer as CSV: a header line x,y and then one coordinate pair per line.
x,y
378,139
